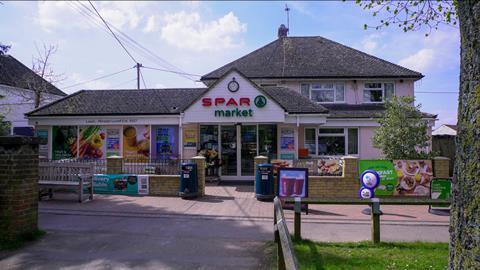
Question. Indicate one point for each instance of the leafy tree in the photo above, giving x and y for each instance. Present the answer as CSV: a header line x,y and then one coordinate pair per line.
x,y
4,48
402,133
465,213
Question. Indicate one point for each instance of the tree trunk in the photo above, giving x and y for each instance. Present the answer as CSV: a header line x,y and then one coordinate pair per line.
x,y
465,218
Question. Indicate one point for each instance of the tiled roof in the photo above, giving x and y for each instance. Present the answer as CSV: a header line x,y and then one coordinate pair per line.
x,y
361,111
14,73
293,102
311,57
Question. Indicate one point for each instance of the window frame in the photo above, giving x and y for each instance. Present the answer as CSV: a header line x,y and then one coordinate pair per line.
x,y
344,135
334,89
382,89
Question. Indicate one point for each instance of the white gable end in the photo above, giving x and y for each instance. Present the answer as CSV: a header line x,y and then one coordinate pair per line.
x,y
220,105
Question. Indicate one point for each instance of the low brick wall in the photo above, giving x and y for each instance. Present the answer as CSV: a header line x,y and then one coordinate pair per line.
x,y
345,186
164,185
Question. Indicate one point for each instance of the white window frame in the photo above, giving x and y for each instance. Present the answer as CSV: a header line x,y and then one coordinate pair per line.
x,y
334,89
382,89
344,134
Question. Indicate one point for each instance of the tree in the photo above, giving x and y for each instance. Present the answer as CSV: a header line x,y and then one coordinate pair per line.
x,y
402,133
4,48
42,66
465,213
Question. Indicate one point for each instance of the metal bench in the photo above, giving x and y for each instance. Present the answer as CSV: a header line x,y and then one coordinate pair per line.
x,y
66,175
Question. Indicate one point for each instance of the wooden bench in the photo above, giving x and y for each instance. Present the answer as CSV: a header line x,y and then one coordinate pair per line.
x,y
66,175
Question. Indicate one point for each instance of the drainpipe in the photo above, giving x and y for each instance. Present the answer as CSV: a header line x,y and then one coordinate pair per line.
x,y
180,135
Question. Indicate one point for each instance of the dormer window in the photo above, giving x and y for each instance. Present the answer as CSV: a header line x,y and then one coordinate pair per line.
x,y
378,92
324,92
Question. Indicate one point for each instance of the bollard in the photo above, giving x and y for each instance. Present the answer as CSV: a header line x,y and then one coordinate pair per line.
x,y
297,219
375,214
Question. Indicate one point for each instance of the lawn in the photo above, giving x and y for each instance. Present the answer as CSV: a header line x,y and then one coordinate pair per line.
x,y
366,256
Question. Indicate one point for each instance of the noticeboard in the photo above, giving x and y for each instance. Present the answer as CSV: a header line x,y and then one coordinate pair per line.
x,y
440,188
292,182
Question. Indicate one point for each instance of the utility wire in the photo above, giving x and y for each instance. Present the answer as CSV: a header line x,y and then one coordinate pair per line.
x,y
113,33
141,76
134,44
171,71
98,78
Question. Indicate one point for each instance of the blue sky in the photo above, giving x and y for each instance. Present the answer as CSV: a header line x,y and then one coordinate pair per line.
x,y
197,37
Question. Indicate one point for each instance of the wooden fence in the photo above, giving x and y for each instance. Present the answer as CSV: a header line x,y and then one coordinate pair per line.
x,y
373,203
286,256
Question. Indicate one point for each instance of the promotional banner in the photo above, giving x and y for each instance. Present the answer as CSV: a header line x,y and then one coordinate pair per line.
x,y
136,142
126,184
287,139
441,188
414,177
400,177
64,142
92,142
292,182
113,142
387,173
190,138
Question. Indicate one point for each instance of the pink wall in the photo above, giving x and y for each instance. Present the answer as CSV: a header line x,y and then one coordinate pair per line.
x,y
366,149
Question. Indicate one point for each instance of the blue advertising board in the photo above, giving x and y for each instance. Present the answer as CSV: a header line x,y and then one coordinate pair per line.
x,y
126,184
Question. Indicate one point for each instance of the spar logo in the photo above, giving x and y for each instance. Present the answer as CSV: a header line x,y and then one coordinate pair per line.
x,y
240,107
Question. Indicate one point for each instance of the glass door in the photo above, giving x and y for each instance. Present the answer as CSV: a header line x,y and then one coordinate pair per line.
x,y
248,149
229,150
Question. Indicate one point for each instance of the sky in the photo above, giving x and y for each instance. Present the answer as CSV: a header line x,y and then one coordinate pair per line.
x,y
197,37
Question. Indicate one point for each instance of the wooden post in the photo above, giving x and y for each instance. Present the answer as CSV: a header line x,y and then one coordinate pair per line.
x,y
297,219
375,214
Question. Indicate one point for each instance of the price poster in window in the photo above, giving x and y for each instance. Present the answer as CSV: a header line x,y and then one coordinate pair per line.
x,y
287,139
113,142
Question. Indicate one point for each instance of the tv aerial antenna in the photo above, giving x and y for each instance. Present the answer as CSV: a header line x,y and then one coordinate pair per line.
x,y
287,10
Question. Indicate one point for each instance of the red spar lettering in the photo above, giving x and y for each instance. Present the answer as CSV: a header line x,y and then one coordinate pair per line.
x,y
219,101
206,102
232,102
244,101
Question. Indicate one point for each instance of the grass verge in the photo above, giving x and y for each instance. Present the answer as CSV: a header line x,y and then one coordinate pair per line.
x,y
20,241
367,256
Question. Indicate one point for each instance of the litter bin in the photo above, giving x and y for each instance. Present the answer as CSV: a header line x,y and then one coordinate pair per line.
x,y
188,181
264,185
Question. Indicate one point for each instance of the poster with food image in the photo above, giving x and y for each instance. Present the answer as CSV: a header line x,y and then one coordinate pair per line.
x,y
280,163
92,142
64,142
414,177
330,167
113,142
387,173
136,141
115,184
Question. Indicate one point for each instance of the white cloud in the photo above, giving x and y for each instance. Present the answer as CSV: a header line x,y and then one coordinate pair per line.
x,y
370,43
419,61
54,15
189,31
151,24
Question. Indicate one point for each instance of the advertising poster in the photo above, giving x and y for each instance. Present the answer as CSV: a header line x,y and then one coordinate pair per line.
x,y
330,167
92,142
126,184
190,138
440,188
43,148
165,144
136,142
64,142
280,163
387,173
287,139
414,177
113,142
292,182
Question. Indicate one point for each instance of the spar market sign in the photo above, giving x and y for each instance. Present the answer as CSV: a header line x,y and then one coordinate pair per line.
x,y
234,107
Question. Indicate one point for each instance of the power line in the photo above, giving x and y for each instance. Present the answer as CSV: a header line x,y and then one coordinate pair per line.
x,y
171,71
115,36
98,78
141,76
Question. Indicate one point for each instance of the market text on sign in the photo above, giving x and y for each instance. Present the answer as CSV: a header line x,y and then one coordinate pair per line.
x,y
230,102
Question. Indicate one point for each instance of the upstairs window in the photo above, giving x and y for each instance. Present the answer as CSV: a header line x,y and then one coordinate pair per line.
x,y
378,92
324,92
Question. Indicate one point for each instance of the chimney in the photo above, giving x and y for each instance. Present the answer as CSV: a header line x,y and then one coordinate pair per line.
x,y
282,31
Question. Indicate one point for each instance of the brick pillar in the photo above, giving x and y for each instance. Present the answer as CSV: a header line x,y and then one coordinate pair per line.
x,y
200,161
258,160
350,175
18,186
115,165
441,167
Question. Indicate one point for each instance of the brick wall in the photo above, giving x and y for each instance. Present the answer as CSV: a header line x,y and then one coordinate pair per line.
x,y
18,186
345,186
164,185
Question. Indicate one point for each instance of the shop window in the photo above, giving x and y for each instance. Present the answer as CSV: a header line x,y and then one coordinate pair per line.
x,y
324,92
331,141
209,137
378,92
267,141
